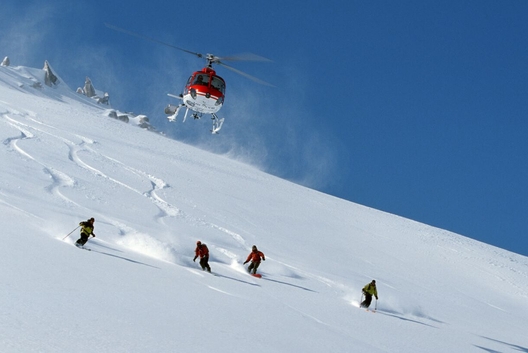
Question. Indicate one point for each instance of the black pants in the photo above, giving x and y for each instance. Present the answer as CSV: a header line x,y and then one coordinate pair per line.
x,y
253,266
83,239
204,262
367,301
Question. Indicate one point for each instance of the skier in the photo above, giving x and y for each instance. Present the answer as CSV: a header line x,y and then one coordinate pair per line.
x,y
202,251
369,290
87,228
255,256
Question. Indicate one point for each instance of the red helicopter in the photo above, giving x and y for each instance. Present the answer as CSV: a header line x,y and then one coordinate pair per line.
x,y
204,92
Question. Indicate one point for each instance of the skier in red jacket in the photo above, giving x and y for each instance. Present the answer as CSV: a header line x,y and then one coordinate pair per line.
x,y
255,256
202,251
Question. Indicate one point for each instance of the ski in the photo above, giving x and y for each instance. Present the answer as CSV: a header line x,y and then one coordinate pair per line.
x,y
82,247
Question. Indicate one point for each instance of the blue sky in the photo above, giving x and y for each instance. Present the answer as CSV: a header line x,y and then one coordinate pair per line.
x,y
417,108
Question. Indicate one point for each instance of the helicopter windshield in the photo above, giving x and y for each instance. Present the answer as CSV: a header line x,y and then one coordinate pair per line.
x,y
218,84
201,80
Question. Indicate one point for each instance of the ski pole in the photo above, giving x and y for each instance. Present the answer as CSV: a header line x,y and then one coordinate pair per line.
x,y
361,301
70,233
376,307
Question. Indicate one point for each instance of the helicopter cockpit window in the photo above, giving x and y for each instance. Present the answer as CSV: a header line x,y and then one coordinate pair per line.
x,y
201,80
218,84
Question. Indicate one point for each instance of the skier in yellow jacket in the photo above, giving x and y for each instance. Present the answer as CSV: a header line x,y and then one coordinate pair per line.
x,y
369,290
87,228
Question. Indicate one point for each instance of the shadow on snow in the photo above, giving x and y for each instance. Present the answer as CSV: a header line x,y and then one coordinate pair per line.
x,y
510,345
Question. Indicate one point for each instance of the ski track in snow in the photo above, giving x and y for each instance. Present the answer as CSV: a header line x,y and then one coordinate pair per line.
x,y
59,179
13,141
168,210
62,180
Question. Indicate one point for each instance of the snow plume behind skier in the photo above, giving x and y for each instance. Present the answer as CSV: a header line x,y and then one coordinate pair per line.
x,y
255,257
87,228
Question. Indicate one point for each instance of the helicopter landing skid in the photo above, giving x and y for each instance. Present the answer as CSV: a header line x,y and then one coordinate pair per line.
x,y
172,111
217,123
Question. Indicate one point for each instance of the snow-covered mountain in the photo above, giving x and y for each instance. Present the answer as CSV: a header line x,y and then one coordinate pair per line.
x,y
64,160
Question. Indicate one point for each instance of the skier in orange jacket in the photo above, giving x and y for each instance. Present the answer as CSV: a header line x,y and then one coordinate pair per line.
x,y
203,252
255,256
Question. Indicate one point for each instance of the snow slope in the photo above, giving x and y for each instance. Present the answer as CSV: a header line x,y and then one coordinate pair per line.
x,y
63,161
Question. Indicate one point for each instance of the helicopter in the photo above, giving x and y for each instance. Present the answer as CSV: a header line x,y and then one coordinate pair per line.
x,y
204,92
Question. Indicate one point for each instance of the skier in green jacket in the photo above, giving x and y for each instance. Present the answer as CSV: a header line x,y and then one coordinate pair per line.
x,y
87,228
369,290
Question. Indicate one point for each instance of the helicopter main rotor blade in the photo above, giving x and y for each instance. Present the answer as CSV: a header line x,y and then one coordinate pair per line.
x,y
244,57
115,28
211,59
252,78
